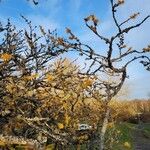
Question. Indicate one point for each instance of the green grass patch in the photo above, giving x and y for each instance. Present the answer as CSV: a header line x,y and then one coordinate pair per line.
x,y
125,138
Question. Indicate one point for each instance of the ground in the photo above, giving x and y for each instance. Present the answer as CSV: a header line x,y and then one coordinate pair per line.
x,y
141,138
133,137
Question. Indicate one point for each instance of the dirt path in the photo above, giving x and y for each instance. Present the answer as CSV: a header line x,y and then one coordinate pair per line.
x,y
140,141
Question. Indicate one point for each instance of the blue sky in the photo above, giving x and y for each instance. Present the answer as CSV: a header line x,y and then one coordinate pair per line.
x,y
70,13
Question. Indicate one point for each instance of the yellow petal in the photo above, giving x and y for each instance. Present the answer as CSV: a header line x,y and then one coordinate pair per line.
x,y
60,125
6,56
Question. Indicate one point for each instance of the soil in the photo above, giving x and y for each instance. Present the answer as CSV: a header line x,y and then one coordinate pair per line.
x,y
141,142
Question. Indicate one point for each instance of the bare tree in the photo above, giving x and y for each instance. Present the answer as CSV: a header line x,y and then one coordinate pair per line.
x,y
113,64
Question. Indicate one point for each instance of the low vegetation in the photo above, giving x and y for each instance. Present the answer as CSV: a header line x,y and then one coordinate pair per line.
x,y
125,138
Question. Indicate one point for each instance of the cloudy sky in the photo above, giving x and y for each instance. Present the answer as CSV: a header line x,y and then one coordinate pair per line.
x,y
58,14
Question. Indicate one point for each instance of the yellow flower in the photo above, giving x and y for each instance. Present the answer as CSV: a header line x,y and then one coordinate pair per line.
x,y
49,77
67,119
32,77
127,145
60,125
6,57
11,88
2,143
65,106
111,125
86,83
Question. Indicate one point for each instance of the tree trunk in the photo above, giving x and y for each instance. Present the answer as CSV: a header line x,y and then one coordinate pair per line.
x,y
93,143
97,142
103,130
78,147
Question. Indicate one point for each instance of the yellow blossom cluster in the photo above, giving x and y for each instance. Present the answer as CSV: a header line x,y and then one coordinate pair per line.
x,y
31,77
49,77
146,49
92,18
120,2
87,83
60,125
6,57
127,145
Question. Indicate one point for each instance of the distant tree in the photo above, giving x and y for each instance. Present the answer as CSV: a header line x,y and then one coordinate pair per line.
x,y
113,64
